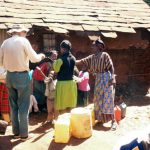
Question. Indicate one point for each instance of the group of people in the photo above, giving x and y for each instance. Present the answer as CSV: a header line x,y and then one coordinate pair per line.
x,y
59,81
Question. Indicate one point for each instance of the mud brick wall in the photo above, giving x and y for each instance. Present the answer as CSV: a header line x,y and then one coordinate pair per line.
x,y
130,55
131,58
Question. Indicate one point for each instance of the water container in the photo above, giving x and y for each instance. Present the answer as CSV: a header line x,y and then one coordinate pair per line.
x,y
62,129
6,117
117,113
91,108
123,108
81,123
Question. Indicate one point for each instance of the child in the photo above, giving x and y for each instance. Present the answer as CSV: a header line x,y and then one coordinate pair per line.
x,y
39,87
4,101
50,93
33,103
50,89
83,87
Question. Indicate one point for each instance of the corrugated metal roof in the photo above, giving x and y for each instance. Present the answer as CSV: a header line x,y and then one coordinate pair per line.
x,y
105,16
109,34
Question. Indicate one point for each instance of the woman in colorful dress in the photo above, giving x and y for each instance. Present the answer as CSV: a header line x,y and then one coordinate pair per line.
x,y
101,65
66,88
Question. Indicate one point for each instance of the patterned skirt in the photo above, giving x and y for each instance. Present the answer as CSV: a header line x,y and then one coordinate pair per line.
x,y
103,95
4,99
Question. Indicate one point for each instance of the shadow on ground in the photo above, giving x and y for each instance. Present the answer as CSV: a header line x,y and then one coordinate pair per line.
x,y
45,128
138,101
72,142
9,143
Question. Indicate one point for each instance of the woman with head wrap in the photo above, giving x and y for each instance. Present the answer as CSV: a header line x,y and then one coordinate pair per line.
x,y
101,65
66,88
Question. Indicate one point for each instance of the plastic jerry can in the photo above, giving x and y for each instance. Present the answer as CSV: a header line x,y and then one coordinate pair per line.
x,y
117,113
81,123
6,117
91,108
62,130
123,107
136,148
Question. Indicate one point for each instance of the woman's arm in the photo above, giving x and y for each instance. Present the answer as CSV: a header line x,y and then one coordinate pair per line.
x,y
79,62
57,64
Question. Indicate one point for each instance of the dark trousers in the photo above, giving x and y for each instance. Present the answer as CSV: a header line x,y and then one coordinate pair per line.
x,y
83,98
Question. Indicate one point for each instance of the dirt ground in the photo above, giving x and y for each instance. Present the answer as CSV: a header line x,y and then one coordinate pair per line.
x,y
42,134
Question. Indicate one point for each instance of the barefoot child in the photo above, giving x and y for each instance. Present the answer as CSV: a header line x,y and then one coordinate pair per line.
x,y
50,89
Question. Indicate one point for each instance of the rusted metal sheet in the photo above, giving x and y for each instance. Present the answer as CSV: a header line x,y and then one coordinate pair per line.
x,y
72,27
27,25
93,37
18,20
90,28
78,15
123,29
3,26
104,28
58,30
109,34
59,25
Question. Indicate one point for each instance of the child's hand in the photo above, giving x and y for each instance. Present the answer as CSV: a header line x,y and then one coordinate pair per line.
x,y
47,79
75,78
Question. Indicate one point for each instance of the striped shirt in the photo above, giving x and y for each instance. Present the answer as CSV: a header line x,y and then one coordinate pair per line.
x,y
98,63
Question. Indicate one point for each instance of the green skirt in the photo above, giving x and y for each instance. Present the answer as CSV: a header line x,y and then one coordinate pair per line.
x,y
66,95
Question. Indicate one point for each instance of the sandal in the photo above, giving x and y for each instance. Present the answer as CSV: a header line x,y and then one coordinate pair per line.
x,y
113,126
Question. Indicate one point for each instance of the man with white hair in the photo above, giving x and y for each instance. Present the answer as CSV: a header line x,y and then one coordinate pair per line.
x,y
15,53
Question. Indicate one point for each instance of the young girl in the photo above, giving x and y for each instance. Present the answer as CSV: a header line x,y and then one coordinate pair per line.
x,y
83,87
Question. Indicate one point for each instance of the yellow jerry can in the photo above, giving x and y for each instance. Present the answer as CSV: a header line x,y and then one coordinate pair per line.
x,y
91,108
62,130
6,117
81,123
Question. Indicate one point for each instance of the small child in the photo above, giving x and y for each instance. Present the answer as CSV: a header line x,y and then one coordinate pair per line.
x,y
50,89
50,93
83,87
33,101
33,104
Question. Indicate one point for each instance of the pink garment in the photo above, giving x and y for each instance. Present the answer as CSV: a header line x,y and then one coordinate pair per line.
x,y
83,83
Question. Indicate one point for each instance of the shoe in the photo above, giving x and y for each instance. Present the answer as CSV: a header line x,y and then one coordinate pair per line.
x,y
24,138
16,136
114,126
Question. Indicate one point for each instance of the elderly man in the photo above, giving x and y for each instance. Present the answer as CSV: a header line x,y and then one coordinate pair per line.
x,y
15,53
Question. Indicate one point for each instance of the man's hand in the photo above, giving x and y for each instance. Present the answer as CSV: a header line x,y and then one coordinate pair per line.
x,y
42,56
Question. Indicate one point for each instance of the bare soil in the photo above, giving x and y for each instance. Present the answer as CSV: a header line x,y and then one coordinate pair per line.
x,y
42,133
